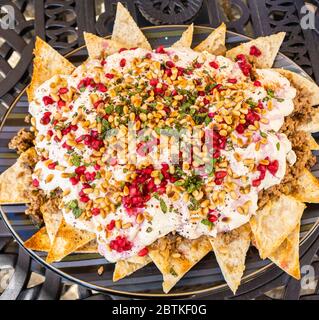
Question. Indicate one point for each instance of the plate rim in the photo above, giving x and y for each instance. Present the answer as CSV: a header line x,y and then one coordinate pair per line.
x,y
102,289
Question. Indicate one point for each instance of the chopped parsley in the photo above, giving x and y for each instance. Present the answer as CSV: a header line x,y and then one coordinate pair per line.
x,y
74,206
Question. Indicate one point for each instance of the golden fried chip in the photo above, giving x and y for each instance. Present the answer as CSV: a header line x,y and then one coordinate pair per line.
x,y
16,180
274,222
309,187
186,39
230,250
313,125
174,256
126,31
47,63
313,145
286,256
124,268
304,86
40,241
269,47
67,240
99,48
215,42
52,217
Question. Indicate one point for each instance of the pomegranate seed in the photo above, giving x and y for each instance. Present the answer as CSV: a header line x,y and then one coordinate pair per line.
x,y
47,100
211,114
148,55
197,65
232,80
95,211
122,63
153,82
220,174
257,83
143,252
214,64
256,182
273,167
170,64
212,218
101,87
52,165
240,128
80,170
206,101
109,75
254,51
97,167
74,180
61,103
84,199
122,49
111,225
160,49
35,183
103,62
63,90
50,133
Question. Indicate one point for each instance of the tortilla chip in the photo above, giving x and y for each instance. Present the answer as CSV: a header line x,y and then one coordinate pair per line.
x,y
124,268
16,180
52,217
40,241
269,47
230,250
304,86
47,63
309,187
313,125
126,31
99,48
215,42
313,145
286,256
174,256
186,39
67,240
273,223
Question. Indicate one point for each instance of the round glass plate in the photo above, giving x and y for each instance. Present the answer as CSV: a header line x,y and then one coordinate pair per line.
x,y
82,268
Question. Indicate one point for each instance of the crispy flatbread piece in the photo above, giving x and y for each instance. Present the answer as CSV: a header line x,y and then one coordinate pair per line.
x,y
215,42
313,125
124,268
67,240
126,31
47,63
186,39
52,217
304,86
40,241
313,145
174,256
274,222
99,47
286,256
16,180
309,187
230,250
269,47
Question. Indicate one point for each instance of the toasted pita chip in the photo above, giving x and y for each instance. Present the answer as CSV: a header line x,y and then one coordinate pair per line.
x,y
313,145
304,86
99,48
90,247
230,250
15,181
67,240
286,256
215,42
46,64
52,217
40,241
186,39
126,31
273,223
269,47
124,268
174,256
309,188
313,125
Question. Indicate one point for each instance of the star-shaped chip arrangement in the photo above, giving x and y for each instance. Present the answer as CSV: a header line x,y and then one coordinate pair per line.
x,y
245,186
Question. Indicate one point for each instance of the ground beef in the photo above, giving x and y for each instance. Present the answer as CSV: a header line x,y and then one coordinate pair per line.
x,y
37,199
22,141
